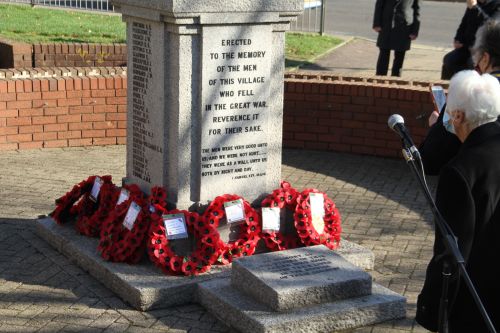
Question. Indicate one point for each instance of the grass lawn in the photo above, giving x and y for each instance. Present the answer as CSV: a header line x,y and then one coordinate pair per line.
x,y
40,25
301,48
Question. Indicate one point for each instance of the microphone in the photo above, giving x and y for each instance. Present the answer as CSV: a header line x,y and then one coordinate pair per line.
x,y
397,124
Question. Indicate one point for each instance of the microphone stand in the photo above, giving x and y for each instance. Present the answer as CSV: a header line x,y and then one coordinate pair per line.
x,y
451,244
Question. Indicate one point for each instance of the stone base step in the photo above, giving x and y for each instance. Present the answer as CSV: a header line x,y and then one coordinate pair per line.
x,y
243,313
143,286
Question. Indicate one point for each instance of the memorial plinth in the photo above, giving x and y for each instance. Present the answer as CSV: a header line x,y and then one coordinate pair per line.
x,y
205,102
309,289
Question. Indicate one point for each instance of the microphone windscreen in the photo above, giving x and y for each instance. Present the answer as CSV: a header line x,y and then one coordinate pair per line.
x,y
395,119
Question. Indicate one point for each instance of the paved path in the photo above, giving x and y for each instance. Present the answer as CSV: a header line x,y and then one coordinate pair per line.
x,y
40,290
358,57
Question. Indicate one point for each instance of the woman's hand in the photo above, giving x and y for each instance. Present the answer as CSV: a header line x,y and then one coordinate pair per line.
x,y
433,118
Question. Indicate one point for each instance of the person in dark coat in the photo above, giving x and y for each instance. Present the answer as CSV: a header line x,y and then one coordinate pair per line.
x,y
397,23
468,197
440,146
477,12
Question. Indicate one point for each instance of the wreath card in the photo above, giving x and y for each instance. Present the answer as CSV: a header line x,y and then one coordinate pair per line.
x,y
235,211
317,202
131,217
271,219
175,226
96,188
124,195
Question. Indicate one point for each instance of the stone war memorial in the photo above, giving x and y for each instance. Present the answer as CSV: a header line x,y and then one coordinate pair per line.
x,y
203,215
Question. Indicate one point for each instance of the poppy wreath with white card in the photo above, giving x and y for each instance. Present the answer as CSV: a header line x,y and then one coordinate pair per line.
x,y
66,209
91,225
124,232
249,232
110,196
163,256
282,198
309,226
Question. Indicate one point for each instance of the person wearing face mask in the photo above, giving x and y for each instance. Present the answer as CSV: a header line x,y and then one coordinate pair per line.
x,y
440,146
477,12
468,197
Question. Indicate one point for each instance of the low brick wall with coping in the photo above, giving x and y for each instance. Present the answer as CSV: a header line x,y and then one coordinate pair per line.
x,y
349,114
23,55
79,54
64,107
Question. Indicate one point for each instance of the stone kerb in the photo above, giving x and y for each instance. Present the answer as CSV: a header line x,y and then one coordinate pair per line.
x,y
195,131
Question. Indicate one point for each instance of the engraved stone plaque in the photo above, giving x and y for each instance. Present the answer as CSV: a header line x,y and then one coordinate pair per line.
x,y
235,105
296,278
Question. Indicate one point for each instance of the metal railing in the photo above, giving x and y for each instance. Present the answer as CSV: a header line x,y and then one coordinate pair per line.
x,y
313,18
99,5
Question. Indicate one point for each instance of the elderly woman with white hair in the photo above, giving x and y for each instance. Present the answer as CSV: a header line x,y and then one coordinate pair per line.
x,y
468,197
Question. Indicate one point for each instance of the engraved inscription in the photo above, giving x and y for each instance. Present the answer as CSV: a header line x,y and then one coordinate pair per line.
x,y
142,134
299,265
235,105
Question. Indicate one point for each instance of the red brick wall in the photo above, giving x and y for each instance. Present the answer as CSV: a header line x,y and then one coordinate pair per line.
x,y
79,55
19,55
62,112
15,55
321,112
350,114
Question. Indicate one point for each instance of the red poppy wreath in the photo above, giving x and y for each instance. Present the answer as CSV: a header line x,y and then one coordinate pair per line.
x,y
90,225
123,235
282,198
65,206
163,256
330,235
249,229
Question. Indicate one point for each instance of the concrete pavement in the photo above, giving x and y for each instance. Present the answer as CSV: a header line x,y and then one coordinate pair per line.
x,y
41,291
358,57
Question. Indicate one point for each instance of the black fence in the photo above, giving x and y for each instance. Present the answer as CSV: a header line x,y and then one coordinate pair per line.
x,y
98,5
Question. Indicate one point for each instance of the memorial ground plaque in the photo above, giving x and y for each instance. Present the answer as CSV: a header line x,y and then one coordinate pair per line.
x,y
300,277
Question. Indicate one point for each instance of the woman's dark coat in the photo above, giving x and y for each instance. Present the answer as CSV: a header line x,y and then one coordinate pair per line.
x,y
474,18
468,197
398,19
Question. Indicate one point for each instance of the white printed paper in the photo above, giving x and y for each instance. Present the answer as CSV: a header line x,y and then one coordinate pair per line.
x,y
124,195
96,188
317,202
271,219
131,217
235,211
175,226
